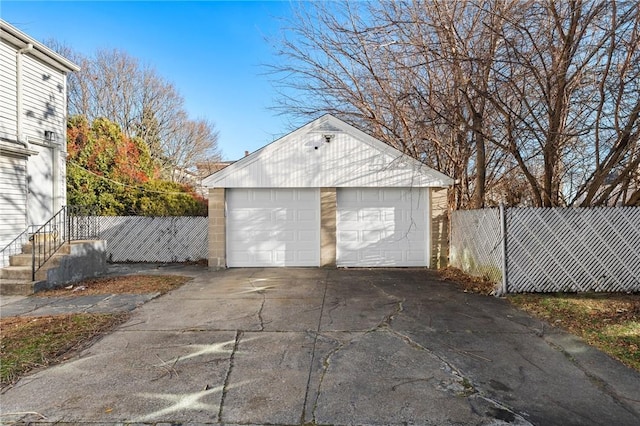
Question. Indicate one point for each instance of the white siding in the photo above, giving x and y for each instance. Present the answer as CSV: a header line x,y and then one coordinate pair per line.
x,y
44,108
303,159
13,197
43,97
7,91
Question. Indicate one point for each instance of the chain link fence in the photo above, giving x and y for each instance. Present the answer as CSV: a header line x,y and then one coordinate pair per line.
x,y
550,249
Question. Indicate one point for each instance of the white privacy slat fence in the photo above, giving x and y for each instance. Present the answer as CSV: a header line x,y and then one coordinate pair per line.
x,y
550,249
154,239
476,243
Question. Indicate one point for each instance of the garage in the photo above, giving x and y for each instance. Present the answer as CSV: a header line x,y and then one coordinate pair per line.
x,y
273,227
328,195
382,227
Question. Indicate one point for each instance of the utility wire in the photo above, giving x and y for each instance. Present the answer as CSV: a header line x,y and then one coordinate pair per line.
x,y
141,188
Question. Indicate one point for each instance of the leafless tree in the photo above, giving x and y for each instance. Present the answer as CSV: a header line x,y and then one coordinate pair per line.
x,y
115,85
526,102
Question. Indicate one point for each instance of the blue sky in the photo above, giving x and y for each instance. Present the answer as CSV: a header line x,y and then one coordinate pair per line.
x,y
212,51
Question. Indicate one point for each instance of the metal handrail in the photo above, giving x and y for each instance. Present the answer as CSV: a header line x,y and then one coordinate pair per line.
x,y
15,246
47,239
71,223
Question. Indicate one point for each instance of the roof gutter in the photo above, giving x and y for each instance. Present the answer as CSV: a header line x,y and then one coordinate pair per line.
x,y
19,39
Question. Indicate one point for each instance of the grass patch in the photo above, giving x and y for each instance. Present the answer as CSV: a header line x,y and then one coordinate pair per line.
x,y
610,322
128,284
27,343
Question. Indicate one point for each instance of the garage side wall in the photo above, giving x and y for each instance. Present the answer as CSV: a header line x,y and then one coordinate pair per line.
x,y
328,202
439,228
217,230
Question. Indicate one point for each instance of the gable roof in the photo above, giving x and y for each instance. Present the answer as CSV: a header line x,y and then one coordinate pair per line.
x,y
20,40
304,158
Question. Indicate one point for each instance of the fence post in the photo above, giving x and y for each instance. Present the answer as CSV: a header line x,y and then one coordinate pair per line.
x,y
503,229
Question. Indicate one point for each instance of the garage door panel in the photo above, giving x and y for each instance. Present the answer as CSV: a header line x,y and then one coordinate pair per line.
x,y
286,236
307,256
283,215
382,227
261,256
347,236
395,256
372,236
273,227
307,215
307,235
415,256
310,196
392,195
285,195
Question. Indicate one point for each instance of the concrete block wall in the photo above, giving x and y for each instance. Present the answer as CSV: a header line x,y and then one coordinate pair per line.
x,y
217,228
86,259
439,228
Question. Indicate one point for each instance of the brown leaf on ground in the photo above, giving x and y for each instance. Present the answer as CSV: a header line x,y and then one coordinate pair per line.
x,y
467,282
129,284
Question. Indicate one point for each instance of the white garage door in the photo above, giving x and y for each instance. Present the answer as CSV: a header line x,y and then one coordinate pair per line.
x,y
382,227
273,227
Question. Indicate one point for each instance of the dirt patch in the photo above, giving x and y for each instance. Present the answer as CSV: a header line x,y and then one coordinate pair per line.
x,y
467,282
129,284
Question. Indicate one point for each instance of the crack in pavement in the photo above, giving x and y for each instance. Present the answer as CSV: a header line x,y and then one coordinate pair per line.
x,y
313,352
386,321
325,367
326,362
387,294
225,386
335,305
597,381
469,389
264,299
260,291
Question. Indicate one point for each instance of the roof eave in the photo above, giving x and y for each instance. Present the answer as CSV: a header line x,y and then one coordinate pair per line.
x,y
40,51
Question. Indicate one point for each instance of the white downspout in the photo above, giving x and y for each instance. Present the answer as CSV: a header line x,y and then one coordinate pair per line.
x,y
27,48
19,132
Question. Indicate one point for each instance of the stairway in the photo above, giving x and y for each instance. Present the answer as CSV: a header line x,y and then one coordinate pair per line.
x,y
16,278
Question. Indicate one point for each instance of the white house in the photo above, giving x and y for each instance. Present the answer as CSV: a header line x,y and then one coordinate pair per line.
x,y
33,117
327,194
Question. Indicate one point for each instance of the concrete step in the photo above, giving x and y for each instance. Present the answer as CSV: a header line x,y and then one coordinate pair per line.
x,y
16,287
16,273
28,248
22,259
23,273
26,259
44,238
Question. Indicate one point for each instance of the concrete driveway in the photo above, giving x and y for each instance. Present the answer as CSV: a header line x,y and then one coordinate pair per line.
x,y
316,346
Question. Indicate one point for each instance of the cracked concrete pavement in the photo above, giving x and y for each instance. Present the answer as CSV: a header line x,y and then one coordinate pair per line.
x,y
329,346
